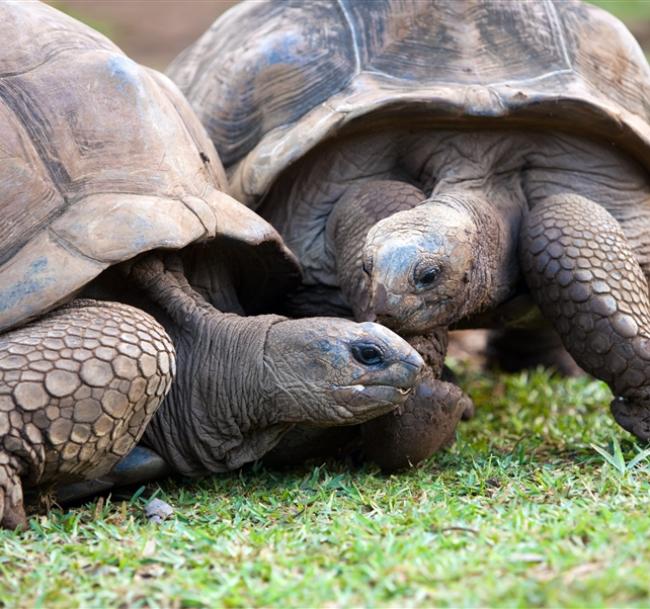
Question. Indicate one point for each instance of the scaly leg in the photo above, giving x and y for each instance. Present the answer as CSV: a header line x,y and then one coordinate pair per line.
x,y
588,283
12,510
77,389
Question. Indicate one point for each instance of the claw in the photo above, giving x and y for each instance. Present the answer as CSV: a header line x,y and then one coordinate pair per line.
x,y
632,416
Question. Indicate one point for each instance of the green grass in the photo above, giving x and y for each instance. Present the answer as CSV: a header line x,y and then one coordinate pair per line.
x,y
629,11
521,512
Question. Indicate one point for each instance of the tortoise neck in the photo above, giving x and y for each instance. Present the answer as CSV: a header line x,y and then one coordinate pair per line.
x,y
494,231
215,417
346,231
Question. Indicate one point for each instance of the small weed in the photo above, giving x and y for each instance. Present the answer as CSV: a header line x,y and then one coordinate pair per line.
x,y
616,458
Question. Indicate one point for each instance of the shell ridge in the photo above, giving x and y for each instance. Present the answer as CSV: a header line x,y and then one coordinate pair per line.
x,y
201,50
54,55
29,235
70,248
448,83
9,95
558,34
27,114
353,33
537,70
207,230
176,100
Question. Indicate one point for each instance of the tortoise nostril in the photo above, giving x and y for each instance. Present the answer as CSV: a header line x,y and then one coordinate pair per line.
x,y
367,354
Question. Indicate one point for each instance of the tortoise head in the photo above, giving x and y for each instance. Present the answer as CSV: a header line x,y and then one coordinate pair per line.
x,y
324,371
421,265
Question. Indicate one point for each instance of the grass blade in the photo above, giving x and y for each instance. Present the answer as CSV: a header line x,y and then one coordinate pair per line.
x,y
642,456
618,455
609,458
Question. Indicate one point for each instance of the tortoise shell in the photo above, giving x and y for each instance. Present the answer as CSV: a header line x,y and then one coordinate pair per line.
x,y
100,159
271,80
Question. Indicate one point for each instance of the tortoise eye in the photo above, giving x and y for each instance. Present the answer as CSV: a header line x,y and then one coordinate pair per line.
x,y
426,277
367,354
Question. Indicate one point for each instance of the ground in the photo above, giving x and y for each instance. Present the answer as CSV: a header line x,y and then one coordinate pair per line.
x,y
523,511
543,500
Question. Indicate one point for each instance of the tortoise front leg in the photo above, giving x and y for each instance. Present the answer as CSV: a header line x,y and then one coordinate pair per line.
x,y
77,389
427,421
587,282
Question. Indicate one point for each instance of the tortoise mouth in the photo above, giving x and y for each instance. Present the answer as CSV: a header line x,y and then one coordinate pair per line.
x,y
372,396
370,387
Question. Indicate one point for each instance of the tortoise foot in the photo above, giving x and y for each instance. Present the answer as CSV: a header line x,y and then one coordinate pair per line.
x,y
140,465
12,509
424,425
633,417
586,279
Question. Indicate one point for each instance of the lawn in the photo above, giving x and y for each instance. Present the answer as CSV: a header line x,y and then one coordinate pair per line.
x,y
523,511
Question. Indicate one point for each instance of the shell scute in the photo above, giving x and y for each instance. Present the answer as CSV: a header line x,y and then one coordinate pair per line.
x,y
287,58
428,42
564,65
100,159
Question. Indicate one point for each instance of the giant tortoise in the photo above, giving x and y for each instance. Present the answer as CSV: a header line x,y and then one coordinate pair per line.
x,y
109,186
487,150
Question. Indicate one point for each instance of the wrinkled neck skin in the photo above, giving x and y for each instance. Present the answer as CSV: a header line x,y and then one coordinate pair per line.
x,y
218,414
346,232
346,227
493,274
479,173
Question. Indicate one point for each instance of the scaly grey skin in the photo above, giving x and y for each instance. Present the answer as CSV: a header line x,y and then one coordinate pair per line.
x,y
437,406
77,389
455,254
583,247
244,381
339,193
428,419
